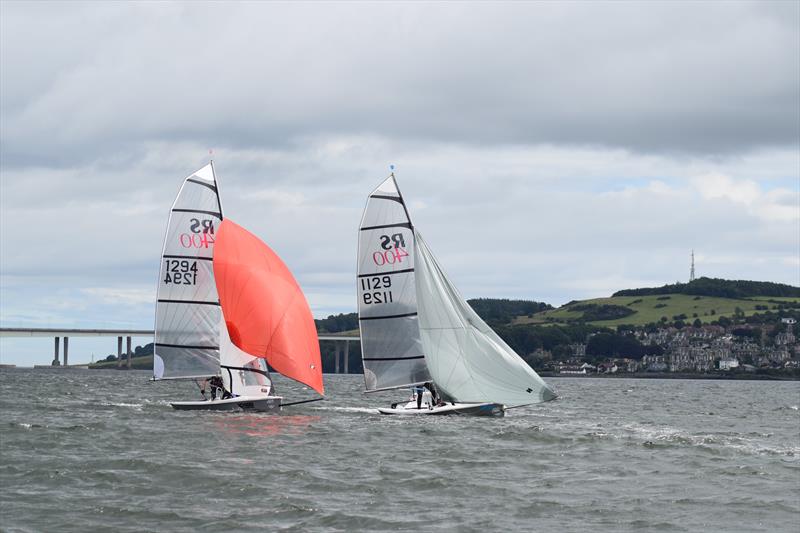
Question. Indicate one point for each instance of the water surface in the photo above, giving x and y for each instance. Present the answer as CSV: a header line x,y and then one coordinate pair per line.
x,y
104,451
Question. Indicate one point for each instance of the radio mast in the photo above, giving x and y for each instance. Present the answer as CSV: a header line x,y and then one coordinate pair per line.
x,y
691,272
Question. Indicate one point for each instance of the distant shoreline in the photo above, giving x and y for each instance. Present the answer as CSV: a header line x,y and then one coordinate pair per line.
x,y
621,375
674,375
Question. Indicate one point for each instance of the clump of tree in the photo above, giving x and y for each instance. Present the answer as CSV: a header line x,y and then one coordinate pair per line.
x,y
595,312
527,338
721,288
615,345
142,351
139,351
748,333
337,323
502,311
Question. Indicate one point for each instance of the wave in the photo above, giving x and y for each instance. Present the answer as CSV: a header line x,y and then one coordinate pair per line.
x,y
665,435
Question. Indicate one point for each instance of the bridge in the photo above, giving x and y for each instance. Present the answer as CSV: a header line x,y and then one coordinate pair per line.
x,y
342,342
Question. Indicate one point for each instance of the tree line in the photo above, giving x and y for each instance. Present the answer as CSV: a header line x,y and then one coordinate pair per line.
x,y
721,288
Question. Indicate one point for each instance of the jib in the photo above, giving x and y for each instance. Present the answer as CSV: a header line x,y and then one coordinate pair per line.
x,y
397,239
204,226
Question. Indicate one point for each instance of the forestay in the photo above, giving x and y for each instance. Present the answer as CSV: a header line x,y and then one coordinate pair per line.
x,y
467,360
387,296
187,309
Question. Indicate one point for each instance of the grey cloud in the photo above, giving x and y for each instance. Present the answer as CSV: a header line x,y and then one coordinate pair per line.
x,y
547,150
700,77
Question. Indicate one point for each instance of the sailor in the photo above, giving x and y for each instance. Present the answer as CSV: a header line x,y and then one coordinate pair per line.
x,y
434,395
216,384
418,390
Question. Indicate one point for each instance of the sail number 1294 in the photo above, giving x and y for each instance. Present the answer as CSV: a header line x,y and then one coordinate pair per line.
x,y
377,290
180,272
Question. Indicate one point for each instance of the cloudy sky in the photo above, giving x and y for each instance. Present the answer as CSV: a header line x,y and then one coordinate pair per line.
x,y
549,151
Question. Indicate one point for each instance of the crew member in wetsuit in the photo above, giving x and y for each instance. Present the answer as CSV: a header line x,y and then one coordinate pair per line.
x,y
435,400
418,390
216,383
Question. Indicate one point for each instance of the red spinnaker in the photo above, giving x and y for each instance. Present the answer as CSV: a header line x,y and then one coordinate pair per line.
x,y
265,309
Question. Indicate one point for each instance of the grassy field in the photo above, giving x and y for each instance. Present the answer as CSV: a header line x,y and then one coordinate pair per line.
x,y
652,308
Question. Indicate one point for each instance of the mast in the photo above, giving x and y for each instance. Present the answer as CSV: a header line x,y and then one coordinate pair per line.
x,y
216,185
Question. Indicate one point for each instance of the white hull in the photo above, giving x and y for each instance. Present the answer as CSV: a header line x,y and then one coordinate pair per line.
x,y
239,403
464,409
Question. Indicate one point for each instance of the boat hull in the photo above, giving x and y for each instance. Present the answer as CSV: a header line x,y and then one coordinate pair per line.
x,y
462,409
264,404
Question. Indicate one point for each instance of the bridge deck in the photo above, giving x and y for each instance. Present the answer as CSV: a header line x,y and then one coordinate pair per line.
x,y
76,332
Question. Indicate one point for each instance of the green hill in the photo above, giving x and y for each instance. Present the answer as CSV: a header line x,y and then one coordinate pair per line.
x,y
642,310
722,288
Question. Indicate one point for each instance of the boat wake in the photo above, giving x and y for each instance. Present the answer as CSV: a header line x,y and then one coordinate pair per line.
x,y
366,410
135,406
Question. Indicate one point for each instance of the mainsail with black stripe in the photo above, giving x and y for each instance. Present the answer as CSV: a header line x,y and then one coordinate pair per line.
x,y
227,304
391,344
416,327
188,315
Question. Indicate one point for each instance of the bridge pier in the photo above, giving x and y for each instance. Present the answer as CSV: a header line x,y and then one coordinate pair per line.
x,y
56,362
336,357
57,333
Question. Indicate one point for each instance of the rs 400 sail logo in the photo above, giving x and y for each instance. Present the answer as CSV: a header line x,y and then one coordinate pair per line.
x,y
377,289
394,250
200,234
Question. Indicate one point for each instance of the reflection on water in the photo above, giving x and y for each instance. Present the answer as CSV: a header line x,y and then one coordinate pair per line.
x,y
264,424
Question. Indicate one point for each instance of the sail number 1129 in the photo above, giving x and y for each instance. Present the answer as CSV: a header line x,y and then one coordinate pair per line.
x,y
378,290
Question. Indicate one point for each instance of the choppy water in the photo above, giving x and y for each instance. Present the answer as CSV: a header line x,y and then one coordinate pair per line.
x,y
103,451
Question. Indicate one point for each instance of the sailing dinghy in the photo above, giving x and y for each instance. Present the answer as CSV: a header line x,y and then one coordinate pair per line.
x,y
228,307
416,328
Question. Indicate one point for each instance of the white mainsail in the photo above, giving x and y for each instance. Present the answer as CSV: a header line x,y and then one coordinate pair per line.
x,y
188,316
387,296
416,327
